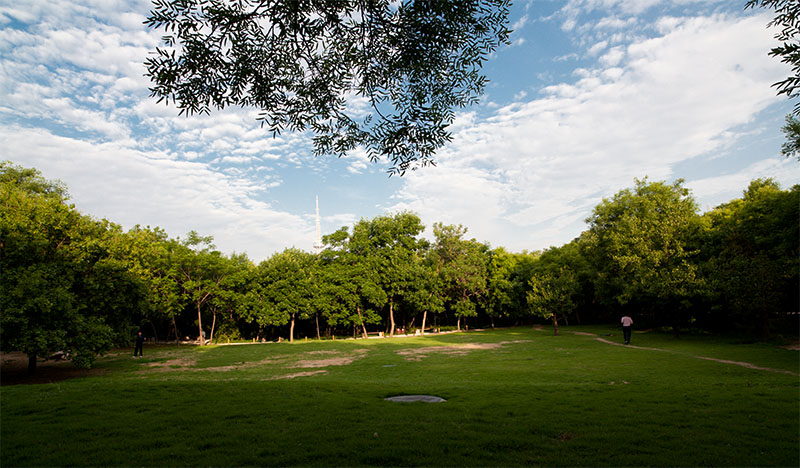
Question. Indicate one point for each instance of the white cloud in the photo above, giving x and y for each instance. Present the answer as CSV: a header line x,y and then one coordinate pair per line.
x,y
613,22
613,57
597,48
541,166
520,23
525,177
723,188
133,187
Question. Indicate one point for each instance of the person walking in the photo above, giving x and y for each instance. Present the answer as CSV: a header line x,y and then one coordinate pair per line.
x,y
627,324
139,343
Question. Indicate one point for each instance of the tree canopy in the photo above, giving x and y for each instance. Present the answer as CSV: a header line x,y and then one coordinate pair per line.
x,y
74,284
787,18
315,65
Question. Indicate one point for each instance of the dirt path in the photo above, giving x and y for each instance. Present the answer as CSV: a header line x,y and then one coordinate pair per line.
x,y
724,361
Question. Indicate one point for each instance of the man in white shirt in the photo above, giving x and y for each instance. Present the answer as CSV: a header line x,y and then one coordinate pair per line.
x,y
627,324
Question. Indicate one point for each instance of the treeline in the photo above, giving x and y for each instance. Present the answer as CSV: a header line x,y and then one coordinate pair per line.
x,y
71,283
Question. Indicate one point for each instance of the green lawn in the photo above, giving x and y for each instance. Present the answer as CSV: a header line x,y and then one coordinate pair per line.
x,y
514,397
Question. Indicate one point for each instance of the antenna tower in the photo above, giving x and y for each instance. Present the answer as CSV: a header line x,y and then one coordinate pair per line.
x,y
318,240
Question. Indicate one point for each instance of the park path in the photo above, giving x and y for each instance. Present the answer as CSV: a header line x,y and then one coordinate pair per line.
x,y
724,361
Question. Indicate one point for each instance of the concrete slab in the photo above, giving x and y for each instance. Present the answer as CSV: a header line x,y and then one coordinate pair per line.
x,y
412,398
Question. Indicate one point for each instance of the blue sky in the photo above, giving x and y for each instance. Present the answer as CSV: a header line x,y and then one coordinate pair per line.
x,y
590,95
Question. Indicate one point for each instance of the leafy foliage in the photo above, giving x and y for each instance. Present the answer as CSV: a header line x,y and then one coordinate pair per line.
x,y
71,283
787,18
60,289
551,294
791,147
311,65
639,240
284,288
461,264
753,257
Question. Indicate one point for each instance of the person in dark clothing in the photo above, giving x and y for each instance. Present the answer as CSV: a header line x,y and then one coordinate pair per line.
x,y
139,343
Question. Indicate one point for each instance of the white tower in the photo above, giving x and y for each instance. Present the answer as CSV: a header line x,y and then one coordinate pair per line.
x,y
318,240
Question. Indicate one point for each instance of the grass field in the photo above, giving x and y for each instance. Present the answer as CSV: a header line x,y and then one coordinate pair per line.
x,y
514,397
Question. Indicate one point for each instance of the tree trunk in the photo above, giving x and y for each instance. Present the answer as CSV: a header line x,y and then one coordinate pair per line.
x,y
200,326
175,330
555,324
155,333
213,323
492,318
765,334
391,316
424,317
291,330
458,323
31,364
316,317
361,319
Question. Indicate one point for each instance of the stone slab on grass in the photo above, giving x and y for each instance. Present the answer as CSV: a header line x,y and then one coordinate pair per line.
x,y
412,398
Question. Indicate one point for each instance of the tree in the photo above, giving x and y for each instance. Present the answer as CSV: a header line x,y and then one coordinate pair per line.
x,y
500,283
284,288
551,294
791,147
308,65
753,258
461,265
200,271
351,292
425,292
146,254
59,288
30,181
231,295
787,17
638,241
387,245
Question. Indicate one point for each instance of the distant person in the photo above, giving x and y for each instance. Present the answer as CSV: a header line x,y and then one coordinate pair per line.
x,y
627,324
139,343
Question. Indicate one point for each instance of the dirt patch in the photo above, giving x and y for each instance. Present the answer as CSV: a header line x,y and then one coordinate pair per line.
x,y
565,436
14,370
793,347
337,360
418,354
297,374
170,365
186,365
747,365
583,334
724,361
631,346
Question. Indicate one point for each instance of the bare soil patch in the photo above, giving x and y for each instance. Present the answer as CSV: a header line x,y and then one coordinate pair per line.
x,y
337,360
747,365
418,354
14,370
630,346
297,374
724,361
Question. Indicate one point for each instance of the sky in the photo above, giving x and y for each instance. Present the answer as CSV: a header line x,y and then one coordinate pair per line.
x,y
589,96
